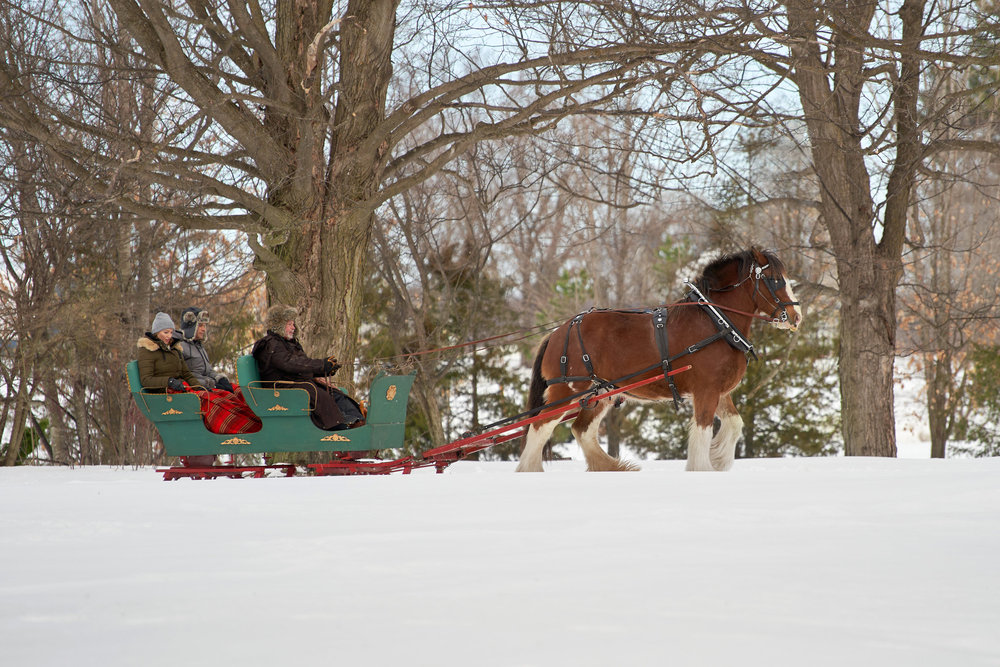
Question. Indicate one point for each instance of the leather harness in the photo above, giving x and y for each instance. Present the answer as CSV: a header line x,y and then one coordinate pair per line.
x,y
725,330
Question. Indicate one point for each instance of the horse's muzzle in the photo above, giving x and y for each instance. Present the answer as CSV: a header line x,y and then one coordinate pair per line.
x,y
786,320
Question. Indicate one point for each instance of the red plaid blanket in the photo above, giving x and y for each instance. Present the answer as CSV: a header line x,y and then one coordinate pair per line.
x,y
228,413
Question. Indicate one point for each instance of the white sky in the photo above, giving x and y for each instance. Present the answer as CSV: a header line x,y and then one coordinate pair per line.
x,y
831,561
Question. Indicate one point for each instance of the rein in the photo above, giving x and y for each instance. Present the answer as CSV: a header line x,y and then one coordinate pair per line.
x,y
758,316
527,333
551,326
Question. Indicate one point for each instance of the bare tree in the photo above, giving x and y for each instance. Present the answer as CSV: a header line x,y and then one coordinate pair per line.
x,y
281,125
949,302
857,70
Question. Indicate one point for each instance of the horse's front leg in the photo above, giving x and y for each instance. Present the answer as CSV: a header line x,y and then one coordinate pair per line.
x,y
700,432
723,449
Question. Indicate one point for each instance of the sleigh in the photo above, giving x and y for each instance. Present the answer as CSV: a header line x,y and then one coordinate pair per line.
x,y
286,427
285,423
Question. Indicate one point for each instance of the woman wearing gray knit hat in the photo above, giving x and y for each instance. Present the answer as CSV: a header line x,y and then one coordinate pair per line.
x,y
161,365
282,361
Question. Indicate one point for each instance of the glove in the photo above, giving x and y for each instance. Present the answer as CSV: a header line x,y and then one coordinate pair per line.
x,y
176,385
330,366
224,384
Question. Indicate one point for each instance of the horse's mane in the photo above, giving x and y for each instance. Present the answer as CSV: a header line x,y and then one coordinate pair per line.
x,y
712,275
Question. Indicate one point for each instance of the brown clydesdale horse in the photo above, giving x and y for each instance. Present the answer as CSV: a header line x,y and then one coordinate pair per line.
x,y
708,331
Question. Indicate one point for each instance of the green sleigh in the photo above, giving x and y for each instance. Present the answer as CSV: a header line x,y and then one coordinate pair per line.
x,y
284,414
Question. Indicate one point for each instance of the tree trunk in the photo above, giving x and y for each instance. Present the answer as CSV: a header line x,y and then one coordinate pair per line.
x,y
746,448
869,263
867,352
17,426
613,429
427,399
83,419
940,383
323,261
58,432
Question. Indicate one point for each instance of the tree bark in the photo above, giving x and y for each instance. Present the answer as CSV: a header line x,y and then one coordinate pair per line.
x,y
867,352
613,429
940,383
868,251
58,435
428,401
21,407
323,260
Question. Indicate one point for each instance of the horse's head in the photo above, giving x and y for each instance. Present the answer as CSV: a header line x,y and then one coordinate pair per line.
x,y
773,293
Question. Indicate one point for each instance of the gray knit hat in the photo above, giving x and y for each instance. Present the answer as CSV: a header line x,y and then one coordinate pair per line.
x,y
160,322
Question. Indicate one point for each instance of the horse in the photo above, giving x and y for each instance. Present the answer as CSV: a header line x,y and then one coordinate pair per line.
x,y
708,331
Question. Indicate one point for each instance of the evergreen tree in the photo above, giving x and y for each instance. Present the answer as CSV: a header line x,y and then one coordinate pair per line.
x,y
455,301
981,427
789,400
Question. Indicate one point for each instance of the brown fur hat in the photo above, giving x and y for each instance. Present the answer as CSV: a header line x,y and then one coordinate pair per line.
x,y
277,315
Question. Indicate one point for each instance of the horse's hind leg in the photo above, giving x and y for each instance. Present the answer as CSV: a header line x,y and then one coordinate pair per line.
x,y
585,429
700,433
723,449
538,434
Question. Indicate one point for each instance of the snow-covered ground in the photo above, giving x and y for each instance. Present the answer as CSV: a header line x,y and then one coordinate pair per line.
x,y
833,561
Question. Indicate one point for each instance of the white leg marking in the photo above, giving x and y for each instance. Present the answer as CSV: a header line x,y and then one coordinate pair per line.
x,y
597,459
538,435
723,449
699,442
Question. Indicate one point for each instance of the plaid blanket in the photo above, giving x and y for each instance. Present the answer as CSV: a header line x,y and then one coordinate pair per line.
x,y
227,413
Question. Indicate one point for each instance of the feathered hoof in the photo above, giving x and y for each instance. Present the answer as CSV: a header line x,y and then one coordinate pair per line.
x,y
615,465
721,466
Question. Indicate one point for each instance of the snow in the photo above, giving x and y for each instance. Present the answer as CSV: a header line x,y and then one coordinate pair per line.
x,y
831,561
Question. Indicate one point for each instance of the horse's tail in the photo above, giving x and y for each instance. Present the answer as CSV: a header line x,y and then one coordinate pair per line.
x,y
536,392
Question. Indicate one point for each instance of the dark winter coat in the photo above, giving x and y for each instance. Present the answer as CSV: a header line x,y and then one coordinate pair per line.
x,y
282,360
158,363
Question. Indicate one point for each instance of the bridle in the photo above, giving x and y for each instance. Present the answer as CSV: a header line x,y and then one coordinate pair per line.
x,y
780,313
773,285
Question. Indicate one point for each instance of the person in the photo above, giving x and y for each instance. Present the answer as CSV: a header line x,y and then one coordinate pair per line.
x,y
282,361
192,336
161,366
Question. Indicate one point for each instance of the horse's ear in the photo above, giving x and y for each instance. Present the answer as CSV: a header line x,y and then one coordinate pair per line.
x,y
758,256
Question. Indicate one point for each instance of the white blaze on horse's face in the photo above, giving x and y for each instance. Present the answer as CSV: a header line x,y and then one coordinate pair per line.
x,y
794,312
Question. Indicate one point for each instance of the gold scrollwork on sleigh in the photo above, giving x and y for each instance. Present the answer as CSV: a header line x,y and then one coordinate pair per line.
x,y
171,411
235,441
390,393
278,408
336,437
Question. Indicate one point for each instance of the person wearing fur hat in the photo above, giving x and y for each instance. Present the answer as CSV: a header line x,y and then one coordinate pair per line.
x,y
161,365
192,336
281,360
